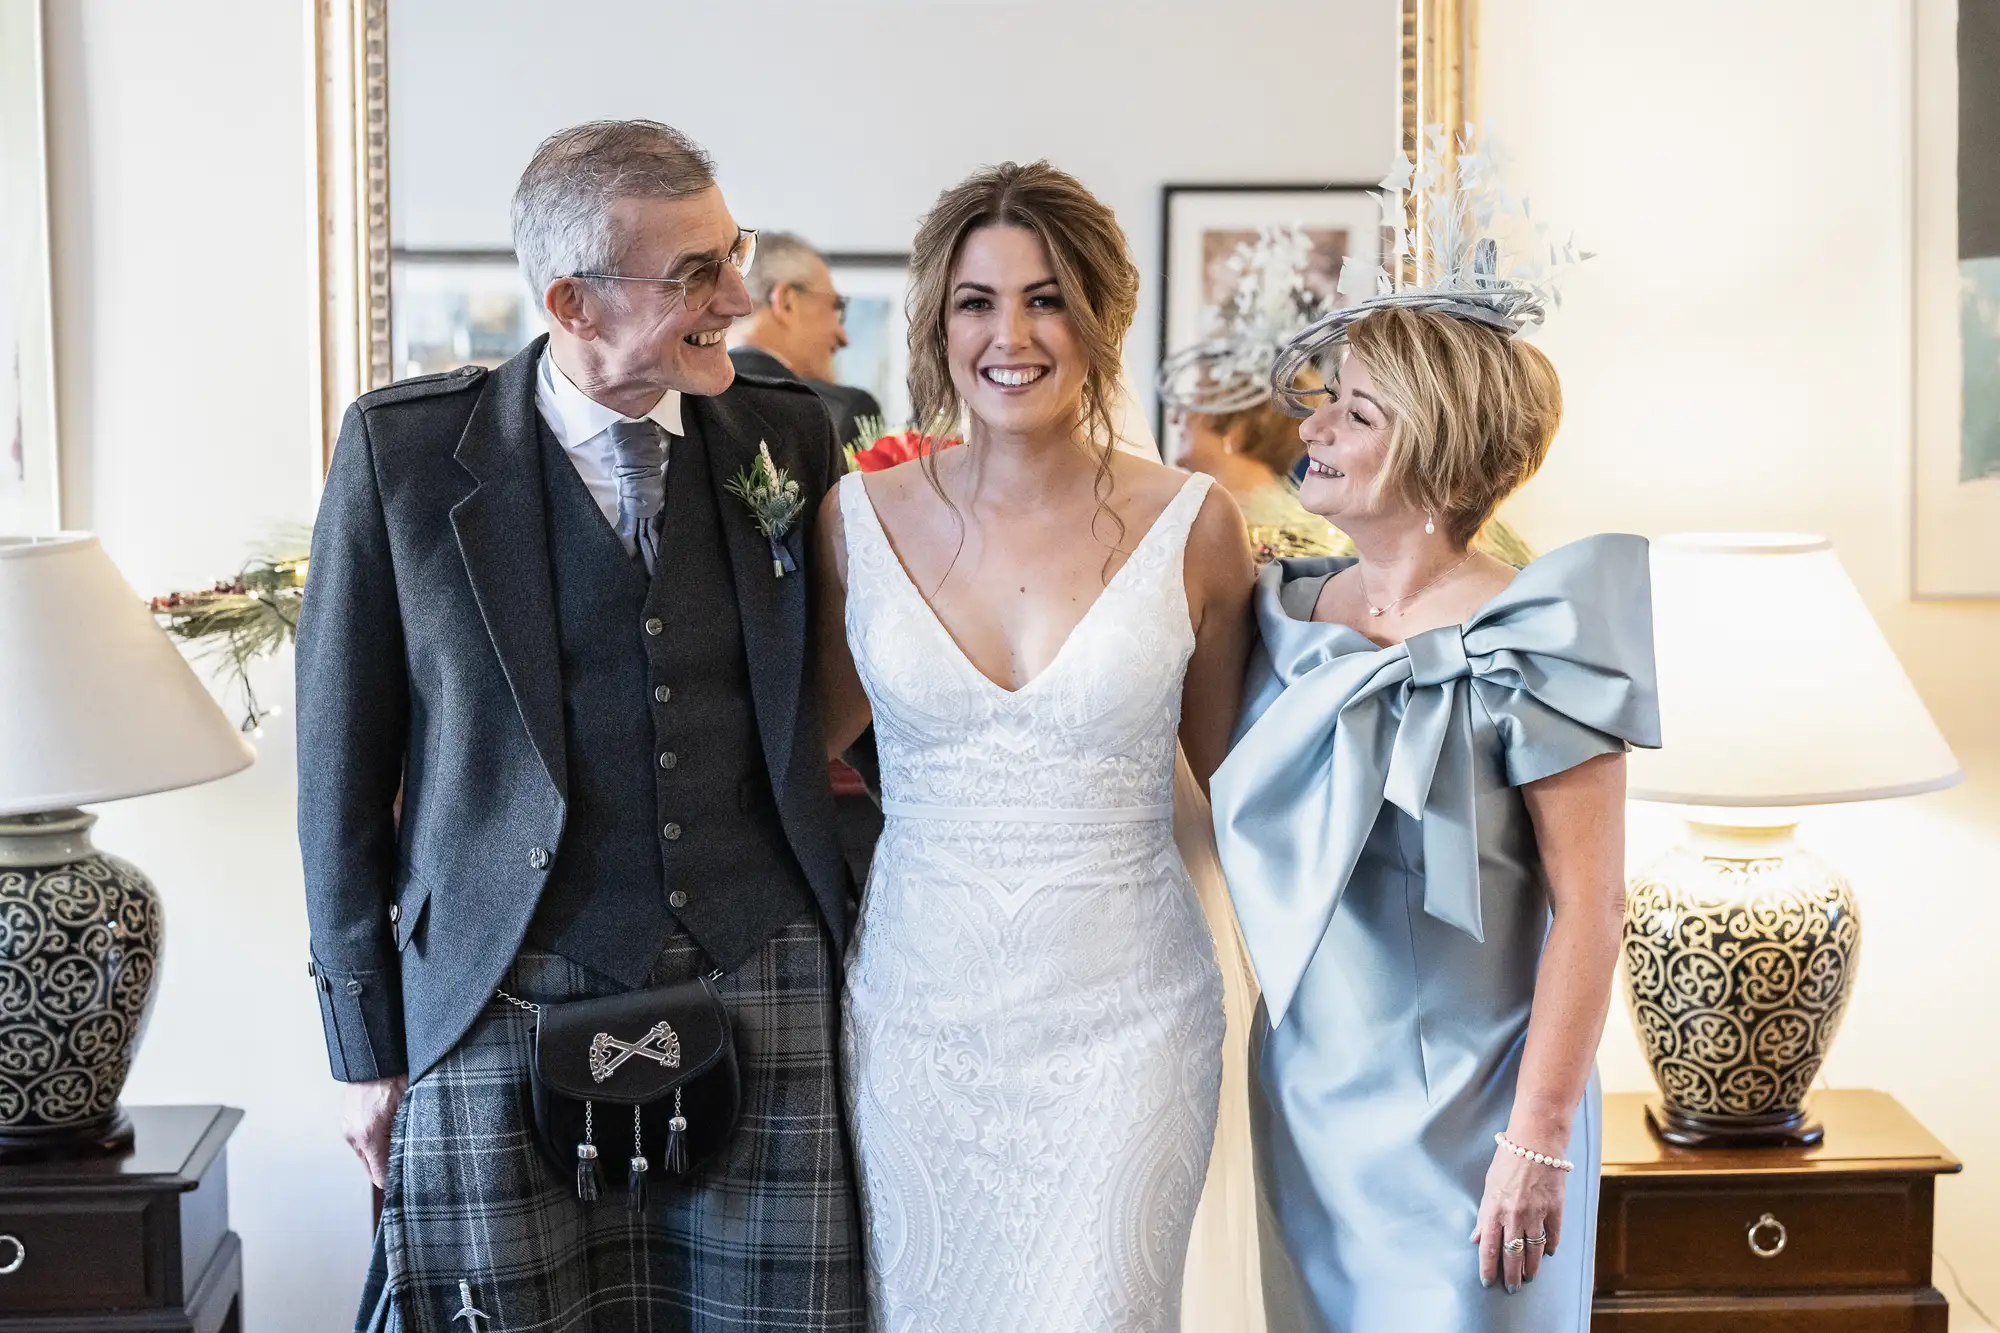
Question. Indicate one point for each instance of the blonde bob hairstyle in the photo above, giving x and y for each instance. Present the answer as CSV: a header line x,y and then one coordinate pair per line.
x,y
1093,270
1471,412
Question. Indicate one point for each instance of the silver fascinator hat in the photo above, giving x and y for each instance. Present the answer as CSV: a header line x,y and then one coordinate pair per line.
x,y
1466,222
1230,368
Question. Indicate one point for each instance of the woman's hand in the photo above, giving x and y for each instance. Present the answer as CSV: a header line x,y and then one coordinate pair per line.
x,y
1523,1199
1579,818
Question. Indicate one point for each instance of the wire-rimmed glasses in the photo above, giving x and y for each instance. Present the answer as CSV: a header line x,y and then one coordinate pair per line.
x,y
834,299
699,284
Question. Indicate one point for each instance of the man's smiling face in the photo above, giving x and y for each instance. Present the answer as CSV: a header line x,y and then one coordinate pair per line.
x,y
646,334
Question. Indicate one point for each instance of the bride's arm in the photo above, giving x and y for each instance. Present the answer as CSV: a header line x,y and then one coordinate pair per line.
x,y
1220,576
843,704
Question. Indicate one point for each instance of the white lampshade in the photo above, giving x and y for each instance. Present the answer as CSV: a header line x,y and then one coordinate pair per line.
x,y
1776,686
98,703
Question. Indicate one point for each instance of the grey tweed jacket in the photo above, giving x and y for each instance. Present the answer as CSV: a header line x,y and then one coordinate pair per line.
x,y
428,671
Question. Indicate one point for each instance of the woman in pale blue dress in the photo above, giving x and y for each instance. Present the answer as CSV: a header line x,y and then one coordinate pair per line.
x,y
1422,826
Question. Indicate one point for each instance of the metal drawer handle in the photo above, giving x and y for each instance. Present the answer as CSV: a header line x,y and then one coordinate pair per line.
x,y
20,1255
1767,1223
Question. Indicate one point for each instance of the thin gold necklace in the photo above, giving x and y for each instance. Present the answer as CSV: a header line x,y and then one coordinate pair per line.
x,y
1375,610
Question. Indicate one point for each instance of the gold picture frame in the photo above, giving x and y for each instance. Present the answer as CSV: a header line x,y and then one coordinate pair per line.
x,y
1440,62
351,89
351,78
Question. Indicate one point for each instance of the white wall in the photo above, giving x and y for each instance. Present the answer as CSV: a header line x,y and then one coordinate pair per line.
x,y
183,222
1760,148
1738,356
843,121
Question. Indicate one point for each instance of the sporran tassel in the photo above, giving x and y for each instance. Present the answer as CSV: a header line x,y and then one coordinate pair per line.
x,y
589,1176
677,1157
635,1179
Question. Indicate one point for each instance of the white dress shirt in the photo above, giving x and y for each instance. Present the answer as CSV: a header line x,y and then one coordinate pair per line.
x,y
582,426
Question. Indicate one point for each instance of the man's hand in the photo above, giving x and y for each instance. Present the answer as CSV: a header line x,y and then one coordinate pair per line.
x,y
365,1120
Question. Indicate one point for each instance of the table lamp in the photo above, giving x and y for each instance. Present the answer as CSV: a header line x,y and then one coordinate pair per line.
x,y
1777,690
99,705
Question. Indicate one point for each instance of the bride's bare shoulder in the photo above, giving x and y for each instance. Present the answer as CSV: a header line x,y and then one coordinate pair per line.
x,y
892,487
1146,487
906,500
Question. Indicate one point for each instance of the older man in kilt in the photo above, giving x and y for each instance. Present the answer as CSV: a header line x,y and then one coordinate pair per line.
x,y
556,742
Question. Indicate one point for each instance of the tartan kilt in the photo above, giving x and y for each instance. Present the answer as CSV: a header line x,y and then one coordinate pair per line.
x,y
764,1237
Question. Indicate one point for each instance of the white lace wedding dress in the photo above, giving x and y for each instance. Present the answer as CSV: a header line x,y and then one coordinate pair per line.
x,y
1034,1011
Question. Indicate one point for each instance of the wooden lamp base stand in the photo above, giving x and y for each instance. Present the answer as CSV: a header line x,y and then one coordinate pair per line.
x,y
1686,1129
66,1143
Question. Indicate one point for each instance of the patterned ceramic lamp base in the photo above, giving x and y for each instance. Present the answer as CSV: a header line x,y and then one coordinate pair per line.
x,y
1739,951
79,957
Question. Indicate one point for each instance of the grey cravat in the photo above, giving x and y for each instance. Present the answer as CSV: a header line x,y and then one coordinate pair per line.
x,y
640,453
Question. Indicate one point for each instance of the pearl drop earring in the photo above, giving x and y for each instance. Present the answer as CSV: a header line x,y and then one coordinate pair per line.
x,y
1430,525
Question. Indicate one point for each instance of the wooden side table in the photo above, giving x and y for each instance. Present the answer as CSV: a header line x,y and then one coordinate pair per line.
x,y
122,1244
1830,1239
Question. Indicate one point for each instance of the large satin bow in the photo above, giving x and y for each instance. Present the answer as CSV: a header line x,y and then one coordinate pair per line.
x,y
1562,661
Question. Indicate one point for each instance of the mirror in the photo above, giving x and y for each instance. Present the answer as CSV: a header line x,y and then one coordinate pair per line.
x,y
841,122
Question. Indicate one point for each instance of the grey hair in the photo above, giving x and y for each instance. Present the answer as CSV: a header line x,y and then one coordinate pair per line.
x,y
562,207
782,258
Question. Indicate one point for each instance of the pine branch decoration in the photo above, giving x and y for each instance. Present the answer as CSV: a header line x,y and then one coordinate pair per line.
x,y
240,621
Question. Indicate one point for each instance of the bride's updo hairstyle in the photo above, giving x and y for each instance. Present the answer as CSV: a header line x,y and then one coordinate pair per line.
x,y
1093,269
1471,412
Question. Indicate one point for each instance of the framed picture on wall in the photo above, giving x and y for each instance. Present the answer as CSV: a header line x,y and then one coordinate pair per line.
x,y
1955,482
30,489
452,308
1202,225
877,355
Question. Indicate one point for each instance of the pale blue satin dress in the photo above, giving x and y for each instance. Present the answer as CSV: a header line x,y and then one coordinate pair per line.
x,y
1385,872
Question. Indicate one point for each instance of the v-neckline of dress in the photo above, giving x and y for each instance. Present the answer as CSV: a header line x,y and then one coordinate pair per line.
x,y
958,649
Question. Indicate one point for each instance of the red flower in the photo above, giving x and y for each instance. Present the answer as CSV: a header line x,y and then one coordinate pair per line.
x,y
900,447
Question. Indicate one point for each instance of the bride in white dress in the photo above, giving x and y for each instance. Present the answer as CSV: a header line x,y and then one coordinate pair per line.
x,y
1033,1044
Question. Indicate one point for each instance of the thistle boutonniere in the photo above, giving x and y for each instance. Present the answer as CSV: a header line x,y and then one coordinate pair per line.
x,y
774,502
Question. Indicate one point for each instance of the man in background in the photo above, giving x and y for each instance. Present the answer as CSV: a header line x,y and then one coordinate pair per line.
x,y
795,328
791,333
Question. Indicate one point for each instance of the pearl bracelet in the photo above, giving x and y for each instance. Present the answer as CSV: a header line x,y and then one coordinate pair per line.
x,y
1559,1163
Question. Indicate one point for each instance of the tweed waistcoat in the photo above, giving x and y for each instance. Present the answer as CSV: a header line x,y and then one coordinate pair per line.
x,y
671,821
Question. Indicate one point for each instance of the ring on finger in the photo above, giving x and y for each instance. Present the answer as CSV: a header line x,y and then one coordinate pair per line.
x,y
1516,1245
1542,1239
